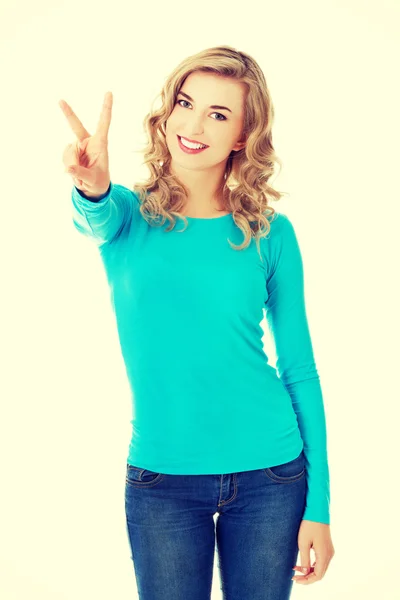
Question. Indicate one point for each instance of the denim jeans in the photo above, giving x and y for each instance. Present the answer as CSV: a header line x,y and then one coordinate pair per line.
x,y
172,533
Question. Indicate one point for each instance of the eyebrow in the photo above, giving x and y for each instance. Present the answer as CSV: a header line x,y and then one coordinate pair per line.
x,y
212,106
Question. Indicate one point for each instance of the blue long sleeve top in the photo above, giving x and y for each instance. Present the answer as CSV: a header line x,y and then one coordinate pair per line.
x,y
188,310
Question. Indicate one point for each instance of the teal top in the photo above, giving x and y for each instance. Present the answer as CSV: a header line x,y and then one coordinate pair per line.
x,y
188,310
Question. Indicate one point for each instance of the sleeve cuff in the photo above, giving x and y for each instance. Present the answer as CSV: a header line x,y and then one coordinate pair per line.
x,y
95,200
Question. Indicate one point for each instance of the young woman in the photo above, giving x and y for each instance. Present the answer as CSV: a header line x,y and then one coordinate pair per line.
x,y
215,429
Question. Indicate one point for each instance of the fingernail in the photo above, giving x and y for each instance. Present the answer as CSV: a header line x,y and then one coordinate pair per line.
x,y
71,170
304,569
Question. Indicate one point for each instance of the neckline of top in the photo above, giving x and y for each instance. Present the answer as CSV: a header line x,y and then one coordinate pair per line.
x,y
208,218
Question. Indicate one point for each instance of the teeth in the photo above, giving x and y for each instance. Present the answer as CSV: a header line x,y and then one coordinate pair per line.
x,y
190,145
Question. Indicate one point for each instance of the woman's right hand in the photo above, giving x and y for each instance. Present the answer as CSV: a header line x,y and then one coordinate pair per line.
x,y
89,154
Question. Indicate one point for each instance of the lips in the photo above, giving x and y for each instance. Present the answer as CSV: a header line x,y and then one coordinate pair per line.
x,y
193,141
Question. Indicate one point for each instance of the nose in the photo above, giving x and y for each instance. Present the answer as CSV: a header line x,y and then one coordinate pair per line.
x,y
196,128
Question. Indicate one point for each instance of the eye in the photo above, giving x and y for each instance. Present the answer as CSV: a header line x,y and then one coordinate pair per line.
x,y
223,116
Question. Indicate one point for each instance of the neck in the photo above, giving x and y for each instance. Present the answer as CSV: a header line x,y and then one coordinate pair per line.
x,y
204,188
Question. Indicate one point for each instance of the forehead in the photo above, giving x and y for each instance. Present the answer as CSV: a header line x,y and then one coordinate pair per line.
x,y
208,88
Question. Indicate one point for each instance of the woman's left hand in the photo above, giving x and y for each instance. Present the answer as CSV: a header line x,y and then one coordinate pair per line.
x,y
318,537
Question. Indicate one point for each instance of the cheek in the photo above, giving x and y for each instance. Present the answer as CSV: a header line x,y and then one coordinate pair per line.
x,y
170,134
172,128
172,120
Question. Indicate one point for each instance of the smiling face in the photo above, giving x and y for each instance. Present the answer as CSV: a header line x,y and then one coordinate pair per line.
x,y
209,109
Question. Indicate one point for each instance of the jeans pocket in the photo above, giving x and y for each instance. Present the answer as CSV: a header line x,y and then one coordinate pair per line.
x,y
138,477
289,471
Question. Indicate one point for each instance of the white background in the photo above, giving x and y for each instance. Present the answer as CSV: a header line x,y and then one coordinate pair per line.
x,y
332,69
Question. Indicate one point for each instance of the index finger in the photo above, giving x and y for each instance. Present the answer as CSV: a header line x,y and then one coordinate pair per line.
x,y
103,125
75,124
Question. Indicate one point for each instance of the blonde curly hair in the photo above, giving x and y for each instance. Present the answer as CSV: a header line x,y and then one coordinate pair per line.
x,y
246,191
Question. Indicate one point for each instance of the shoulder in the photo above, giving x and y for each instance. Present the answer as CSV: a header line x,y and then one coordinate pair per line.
x,y
281,228
279,223
280,246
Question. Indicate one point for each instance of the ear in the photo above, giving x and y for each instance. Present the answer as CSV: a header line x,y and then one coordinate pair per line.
x,y
240,144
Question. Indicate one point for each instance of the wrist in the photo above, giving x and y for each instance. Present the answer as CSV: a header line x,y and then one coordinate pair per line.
x,y
94,197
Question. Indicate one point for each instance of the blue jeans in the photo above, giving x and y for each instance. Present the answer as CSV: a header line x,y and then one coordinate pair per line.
x,y
171,531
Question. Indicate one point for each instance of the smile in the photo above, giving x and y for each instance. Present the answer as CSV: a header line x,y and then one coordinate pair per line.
x,y
189,150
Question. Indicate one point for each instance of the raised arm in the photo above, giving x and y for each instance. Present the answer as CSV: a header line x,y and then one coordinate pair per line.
x,y
100,208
